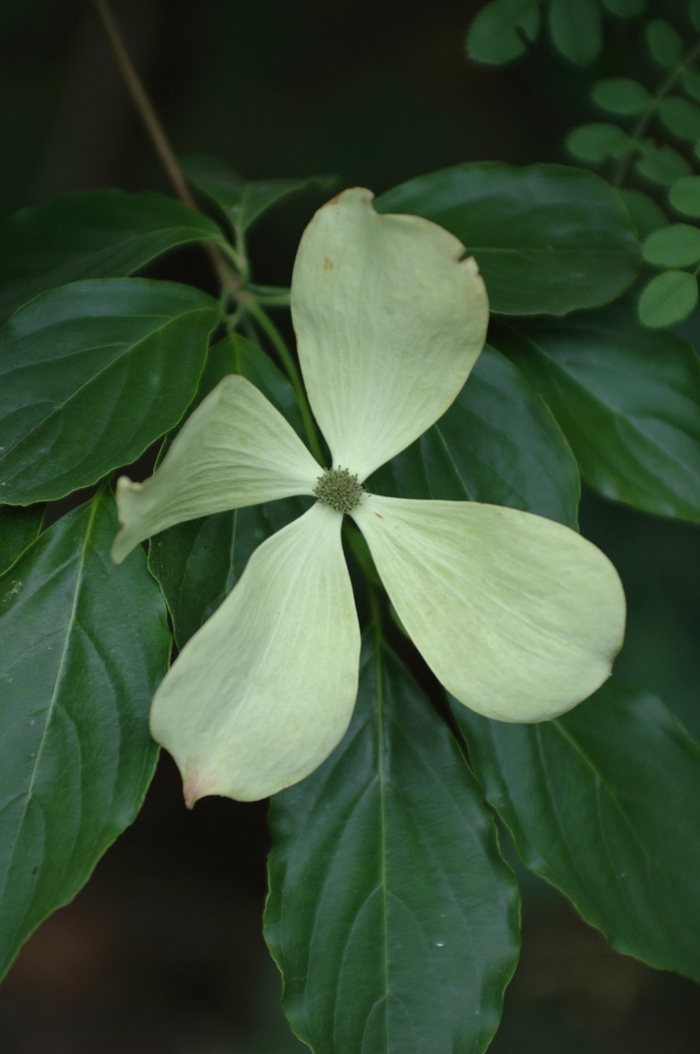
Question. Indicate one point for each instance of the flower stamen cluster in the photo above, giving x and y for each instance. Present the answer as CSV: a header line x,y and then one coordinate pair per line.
x,y
340,489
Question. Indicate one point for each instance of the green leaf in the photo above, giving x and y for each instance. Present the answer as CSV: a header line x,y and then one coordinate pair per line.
x,y
197,563
621,95
626,400
694,12
391,913
646,214
498,443
18,529
685,195
598,141
625,8
670,297
548,238
243,202
691,83
499,31
576,29
677,245
602,803
661,164
91,374
664,42
681,116
98,234
83,645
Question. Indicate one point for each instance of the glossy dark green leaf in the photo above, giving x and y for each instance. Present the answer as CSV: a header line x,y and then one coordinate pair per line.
x,y
548,238
668,298
620,95
598,141
677,245
391,913
626,399
603,803
198,562
664,42
646,214
98,234
18,529
685,196
244,202
661,164
90,375
576,29
500,30
497,443
681,116
83,645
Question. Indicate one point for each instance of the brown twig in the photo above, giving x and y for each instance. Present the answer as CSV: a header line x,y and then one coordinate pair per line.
x,y
229,280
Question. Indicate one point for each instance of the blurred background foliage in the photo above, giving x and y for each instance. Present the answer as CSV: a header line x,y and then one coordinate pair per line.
x,y
162,953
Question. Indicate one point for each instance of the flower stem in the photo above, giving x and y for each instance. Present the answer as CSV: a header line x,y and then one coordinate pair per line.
x,y
228,279
280,346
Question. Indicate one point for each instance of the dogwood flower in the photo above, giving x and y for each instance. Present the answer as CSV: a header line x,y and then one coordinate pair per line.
x,y
519,617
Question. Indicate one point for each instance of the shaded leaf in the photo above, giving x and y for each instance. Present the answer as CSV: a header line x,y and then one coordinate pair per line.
x,y
97,234
92,373
83,645
646,214
547,238
602,803
621,95
18,529
685,195
664,42
691,83
681,116
674,246
625,8
498,443
576,29
670,297
626,399
661,164
500,29
598,141
391,913
244,202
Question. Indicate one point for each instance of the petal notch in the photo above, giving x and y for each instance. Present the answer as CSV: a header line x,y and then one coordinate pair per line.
x,y
389,322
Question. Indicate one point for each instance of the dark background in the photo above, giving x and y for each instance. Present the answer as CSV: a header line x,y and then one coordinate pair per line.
x,y
162,952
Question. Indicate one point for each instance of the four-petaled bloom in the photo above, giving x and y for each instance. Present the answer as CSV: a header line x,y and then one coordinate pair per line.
x,y
519,617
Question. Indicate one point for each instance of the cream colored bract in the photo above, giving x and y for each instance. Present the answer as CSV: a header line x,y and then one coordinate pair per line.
x,y
519,617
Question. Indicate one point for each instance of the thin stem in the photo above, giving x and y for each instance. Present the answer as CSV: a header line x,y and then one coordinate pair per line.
x,y
651,109
279,344
228,279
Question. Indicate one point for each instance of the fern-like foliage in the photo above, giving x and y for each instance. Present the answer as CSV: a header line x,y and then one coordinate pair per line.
x,y
648,143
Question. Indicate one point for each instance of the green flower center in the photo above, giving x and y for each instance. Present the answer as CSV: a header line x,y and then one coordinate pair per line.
x,y
339,489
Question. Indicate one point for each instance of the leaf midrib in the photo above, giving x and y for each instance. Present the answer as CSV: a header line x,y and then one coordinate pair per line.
x,y
55,692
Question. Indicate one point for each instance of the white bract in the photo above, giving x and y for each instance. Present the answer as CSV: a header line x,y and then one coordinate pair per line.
x,y
519,617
